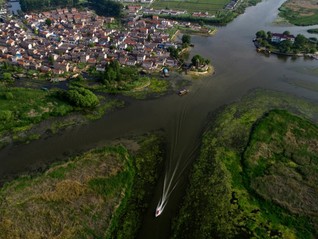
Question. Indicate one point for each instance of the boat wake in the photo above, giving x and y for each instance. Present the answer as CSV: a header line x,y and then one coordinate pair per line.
x,y
178,159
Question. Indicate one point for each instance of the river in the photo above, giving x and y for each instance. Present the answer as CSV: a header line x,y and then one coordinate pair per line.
x,y
239,69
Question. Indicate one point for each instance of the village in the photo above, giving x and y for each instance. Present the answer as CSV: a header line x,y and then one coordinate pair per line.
x,y
66,41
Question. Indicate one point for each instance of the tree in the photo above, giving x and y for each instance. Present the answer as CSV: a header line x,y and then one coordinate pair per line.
x,y
197,60
174,52
51,59
9,96
6,115
107,7
81,97
261,34
149,38
300,41
285,46
48,22
286,33
7,76
186,39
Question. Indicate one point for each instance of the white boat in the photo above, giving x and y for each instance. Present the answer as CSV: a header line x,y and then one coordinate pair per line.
x,y
158,211
183,92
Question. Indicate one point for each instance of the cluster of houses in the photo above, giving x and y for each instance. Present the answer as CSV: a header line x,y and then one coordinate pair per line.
x,y
58,41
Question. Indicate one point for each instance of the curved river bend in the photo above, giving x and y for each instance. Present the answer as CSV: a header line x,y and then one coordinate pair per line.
x,y
239,68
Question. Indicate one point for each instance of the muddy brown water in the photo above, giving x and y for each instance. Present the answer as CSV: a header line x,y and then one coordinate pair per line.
x,y
239,69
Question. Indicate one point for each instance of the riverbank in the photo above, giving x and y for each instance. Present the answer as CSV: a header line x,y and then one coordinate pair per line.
x,y
29,114
234,194
100,193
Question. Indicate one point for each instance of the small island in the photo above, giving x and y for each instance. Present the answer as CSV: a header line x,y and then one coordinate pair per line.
x,y
199,66
286,44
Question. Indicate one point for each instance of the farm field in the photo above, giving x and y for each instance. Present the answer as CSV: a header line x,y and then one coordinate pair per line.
x,y
211,6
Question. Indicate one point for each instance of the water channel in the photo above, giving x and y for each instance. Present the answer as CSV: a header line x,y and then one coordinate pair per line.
x,y
239,69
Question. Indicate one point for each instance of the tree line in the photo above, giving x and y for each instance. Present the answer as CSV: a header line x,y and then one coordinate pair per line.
x,y
106,8
31,5
102,7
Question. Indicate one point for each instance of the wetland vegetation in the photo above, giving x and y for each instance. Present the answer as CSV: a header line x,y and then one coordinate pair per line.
x,y
256,173
300,13
100,193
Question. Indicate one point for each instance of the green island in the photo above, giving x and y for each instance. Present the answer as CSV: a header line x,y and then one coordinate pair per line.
x,y
313,31
285,43
101,193
256,176
300,13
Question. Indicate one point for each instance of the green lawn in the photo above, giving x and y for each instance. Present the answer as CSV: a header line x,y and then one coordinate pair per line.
x,y
211,6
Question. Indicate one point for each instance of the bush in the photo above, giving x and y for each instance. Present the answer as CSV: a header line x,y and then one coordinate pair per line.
x,y
6,115
81,97
8,96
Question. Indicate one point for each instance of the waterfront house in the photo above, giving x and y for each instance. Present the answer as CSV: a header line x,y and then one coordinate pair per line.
x,y
278,37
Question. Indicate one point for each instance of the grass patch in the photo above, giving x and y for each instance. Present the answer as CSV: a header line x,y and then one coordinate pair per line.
x,y
231,191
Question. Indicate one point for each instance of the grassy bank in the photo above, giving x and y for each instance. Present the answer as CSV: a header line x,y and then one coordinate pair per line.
x,y
24,109
146,168
300,13
21,108
256,174
101,193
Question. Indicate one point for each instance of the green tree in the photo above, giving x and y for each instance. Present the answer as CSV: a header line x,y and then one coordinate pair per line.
x,y
81,97
285,46
107,7
300,41
9,96
197,60
149,38
286,33
186,39
48,22
6,115
174,52
261,34
7,76
269,35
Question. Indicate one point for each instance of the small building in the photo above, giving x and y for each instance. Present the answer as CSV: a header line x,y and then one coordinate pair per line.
x,y
278,37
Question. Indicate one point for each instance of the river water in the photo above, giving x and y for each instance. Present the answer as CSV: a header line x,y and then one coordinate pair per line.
x,y
239,69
